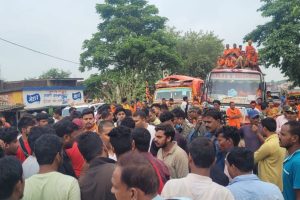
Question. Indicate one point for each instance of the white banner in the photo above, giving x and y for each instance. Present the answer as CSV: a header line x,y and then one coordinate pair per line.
x,y
44,98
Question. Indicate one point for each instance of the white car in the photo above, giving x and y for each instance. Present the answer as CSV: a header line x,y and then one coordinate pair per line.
x,y
80,108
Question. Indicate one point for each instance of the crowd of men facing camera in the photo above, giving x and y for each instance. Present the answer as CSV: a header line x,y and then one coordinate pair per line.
x,y
159,152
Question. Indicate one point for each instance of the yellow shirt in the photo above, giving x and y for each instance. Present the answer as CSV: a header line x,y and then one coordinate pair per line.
x,y
272,112
270,158
126,106
50,186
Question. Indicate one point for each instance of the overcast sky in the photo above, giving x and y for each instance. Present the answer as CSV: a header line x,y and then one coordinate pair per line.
x,y
58,27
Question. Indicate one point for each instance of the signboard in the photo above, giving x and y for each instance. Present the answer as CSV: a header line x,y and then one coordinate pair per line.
x,y
235,76
44,98
11,98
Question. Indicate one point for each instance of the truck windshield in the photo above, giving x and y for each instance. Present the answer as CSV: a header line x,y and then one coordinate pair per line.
x,y
175,93
240,88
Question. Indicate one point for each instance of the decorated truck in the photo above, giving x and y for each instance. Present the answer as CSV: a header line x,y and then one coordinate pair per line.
x,y
176,87
240,86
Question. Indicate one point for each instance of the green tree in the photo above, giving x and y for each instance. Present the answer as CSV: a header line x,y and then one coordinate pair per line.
x,y
132,35
132,38
110,86
55,73
279,38
199,52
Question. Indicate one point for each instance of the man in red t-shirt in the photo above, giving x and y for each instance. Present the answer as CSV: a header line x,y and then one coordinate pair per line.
x,y
24,125
72,160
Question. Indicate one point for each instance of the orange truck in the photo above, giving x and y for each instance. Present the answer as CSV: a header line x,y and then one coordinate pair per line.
x,y
176,87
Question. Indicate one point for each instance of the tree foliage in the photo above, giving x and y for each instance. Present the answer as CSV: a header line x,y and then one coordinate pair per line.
x,y
280,37
131,42
55,73
114,84
131,36
199,52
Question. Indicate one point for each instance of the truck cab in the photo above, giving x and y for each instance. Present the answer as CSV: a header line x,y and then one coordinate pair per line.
x,y
176,87
240,86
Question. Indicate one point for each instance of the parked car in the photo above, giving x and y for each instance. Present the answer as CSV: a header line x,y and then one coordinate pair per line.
x,y
80,108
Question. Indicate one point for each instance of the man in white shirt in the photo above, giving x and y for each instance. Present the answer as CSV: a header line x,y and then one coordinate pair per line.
x,y
185,104
30,165
197,184
282,119
288,115
139,117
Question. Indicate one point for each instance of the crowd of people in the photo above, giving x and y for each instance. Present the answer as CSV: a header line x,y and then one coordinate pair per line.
x,y
163,151
236,57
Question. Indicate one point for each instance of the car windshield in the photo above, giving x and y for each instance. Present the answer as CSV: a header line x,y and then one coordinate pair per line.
x,y
175,93
241,88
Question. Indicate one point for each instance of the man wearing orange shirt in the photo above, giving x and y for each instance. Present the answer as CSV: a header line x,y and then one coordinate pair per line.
x,y
139,105
221,61
234,116
113,106
227,51
253,59
230,62
132,106
249,49
236,51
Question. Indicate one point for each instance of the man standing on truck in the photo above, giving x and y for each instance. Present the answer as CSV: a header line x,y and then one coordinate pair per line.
x,y
234,115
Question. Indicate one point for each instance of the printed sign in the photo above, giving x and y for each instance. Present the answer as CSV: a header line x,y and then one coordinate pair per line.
x,y
235,76
33,98
76,96
44,98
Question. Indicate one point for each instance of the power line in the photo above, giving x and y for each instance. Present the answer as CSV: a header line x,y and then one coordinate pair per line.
x,y
39,52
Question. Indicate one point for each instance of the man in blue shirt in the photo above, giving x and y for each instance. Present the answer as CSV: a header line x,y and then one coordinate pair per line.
x,y
212,122
245,184
289,138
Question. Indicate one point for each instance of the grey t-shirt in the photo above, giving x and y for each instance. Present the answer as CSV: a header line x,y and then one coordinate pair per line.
x,y
30,167
251,139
